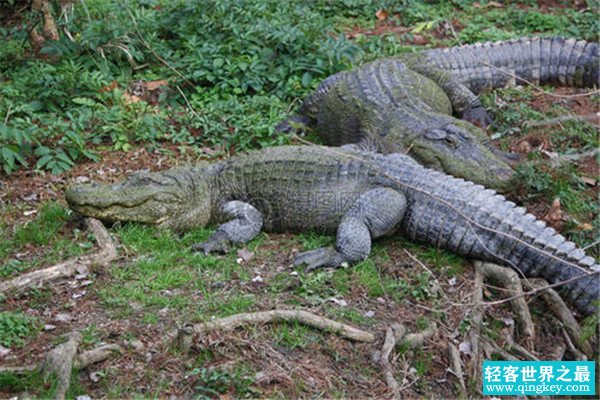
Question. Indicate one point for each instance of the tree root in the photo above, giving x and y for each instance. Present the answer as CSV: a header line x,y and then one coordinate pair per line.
x,y
510,280
183,337
511,350
61,360
106,254
396,335
454,356
560,310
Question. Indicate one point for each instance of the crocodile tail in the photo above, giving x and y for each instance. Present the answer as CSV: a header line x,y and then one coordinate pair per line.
x,y
490,65
478,223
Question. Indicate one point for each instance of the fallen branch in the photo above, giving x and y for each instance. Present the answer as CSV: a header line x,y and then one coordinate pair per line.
x,y
184,335
570,158
592,118
106,254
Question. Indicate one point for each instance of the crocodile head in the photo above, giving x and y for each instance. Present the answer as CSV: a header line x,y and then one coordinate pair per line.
x,y
460,153
178,199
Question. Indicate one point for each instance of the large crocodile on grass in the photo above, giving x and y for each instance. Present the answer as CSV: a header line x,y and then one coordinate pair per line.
x,y
360,194
406,104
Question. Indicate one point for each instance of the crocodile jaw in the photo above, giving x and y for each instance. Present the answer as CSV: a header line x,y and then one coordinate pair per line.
x,y
145,198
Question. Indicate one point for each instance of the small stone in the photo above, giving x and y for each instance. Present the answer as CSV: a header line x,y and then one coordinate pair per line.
x,y
294,273
4,351
370,314
257,279
136,306
84,396
380,300
81,179
311,381
49,327
148,357
259,375
64,318
452,281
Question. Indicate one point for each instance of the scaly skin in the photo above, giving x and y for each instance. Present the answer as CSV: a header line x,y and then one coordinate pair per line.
x,y
362,195
406,104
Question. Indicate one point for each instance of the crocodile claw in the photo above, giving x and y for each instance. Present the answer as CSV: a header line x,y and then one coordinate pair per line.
x,y
320,258
478,116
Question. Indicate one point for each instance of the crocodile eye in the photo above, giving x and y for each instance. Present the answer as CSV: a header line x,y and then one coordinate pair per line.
x,y
435,134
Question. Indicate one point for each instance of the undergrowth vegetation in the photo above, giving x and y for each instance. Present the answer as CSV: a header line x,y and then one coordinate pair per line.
x,y
234,68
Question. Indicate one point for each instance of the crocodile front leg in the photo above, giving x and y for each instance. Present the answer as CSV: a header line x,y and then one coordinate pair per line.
x,y
246,224
465,103
375,213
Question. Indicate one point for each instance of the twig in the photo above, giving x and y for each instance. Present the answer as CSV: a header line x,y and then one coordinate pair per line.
x,y
262,317
8,112
592,118
419,262
558,161
564,96
106,254
388,345
188,103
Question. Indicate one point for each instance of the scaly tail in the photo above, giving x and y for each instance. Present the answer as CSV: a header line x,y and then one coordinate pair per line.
x,y
556,61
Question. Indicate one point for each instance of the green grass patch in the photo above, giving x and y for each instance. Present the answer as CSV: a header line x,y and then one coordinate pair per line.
x,y
17,328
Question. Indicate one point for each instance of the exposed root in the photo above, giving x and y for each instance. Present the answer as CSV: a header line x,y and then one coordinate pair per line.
x,y
477,347
579,356
396,335
106,254
560,310
510,280
456,362
59,362
97,355
491,349
185,335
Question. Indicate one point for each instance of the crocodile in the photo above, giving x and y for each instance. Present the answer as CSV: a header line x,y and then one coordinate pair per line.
x,y
361,195
408,103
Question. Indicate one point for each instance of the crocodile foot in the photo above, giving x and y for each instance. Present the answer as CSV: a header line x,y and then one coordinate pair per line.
x,y
218,243
478,116
320,258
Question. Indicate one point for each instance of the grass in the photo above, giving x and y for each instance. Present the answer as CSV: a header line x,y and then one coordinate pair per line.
x,y
17,328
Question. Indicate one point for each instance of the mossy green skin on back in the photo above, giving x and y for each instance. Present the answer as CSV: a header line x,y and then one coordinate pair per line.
x,y
361,195
406,104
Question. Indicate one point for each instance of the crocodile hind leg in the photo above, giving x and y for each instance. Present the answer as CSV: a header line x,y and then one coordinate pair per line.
x,y
375,213
246,224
